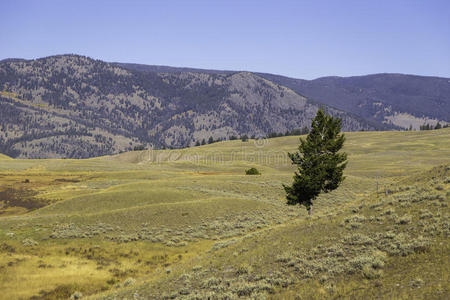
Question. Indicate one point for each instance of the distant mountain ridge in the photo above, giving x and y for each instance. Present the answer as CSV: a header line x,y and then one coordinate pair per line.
x,y
74,106
398,99
169,69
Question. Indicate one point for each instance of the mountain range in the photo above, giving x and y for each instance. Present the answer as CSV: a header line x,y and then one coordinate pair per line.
x,y
71,106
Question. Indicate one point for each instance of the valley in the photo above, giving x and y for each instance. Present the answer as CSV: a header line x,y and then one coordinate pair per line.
x,y
188,223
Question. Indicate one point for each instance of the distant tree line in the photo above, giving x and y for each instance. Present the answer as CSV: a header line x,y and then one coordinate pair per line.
x,y
431,127
245,138
297,131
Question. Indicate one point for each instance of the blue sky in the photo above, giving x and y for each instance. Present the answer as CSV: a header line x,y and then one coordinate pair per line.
x,y
302,39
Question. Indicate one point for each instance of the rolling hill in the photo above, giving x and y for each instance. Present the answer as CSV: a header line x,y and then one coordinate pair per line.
x,y
188,223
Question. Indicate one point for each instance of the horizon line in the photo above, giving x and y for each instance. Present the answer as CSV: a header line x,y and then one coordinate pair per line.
x,y
219,69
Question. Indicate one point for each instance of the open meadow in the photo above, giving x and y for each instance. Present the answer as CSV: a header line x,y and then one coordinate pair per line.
x,y
189,224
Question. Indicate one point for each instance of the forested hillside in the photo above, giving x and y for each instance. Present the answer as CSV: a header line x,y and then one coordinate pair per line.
x,y
402,100
75,107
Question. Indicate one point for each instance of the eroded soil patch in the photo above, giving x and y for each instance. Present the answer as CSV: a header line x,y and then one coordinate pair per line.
x,y
24,198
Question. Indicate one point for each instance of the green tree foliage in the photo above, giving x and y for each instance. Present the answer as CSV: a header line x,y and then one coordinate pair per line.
x,y
430,127
139,148
320,164
252,171
297,131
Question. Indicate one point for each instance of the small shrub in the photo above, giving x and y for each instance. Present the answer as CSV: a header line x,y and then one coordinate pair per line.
x,y
76,295
371,273
425,214
405,204
358,239
285,258
184,292
354,225
355,218
439,187
220,245
374,260
242,270
211,282
404,245
196,268
375,205
29,242
185,277
389,235
129,281
406,219
244,289
335,251
388,212
416,283
354,221
354,210
252,171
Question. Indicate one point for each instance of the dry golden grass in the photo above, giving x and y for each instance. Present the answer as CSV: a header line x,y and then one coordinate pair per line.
x,y
191,220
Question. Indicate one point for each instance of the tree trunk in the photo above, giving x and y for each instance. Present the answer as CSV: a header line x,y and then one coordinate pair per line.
x,y
310,210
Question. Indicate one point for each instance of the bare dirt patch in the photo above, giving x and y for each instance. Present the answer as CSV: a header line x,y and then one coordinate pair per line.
x,y
23,198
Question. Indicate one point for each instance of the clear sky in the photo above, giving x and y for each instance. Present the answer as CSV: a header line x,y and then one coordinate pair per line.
x,y
302,39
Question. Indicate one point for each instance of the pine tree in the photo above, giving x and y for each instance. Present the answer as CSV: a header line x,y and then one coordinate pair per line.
x,y
320,165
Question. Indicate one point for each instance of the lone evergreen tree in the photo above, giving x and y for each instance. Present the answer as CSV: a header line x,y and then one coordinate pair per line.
x,y
320,166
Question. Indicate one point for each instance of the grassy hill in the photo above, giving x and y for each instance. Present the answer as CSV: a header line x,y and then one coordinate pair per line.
x,y
2,156
189,223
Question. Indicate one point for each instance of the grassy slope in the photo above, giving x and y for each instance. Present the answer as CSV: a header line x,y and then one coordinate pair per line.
x,y
2,156
169,218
